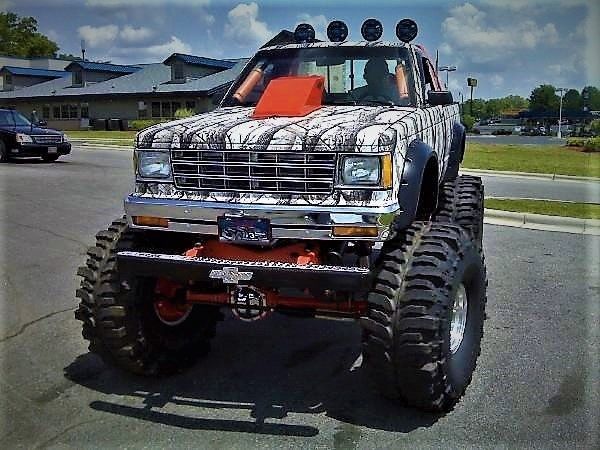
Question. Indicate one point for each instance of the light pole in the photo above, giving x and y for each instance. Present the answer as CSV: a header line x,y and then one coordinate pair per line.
x,y
561,90
447,69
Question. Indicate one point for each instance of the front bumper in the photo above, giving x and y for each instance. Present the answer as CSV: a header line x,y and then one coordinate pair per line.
x,y
269,274
62,148
287,221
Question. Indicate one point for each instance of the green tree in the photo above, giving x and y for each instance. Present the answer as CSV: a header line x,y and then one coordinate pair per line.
x,y
591,98
544,98
19,37
572,101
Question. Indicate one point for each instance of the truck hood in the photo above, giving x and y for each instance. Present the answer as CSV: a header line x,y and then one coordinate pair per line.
x,y
332,128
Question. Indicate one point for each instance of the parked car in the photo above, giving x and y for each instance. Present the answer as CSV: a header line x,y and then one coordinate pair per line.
x,y
21,137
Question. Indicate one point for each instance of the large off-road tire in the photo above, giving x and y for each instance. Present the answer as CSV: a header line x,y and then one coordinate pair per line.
x,y
119,318
461,201
407,344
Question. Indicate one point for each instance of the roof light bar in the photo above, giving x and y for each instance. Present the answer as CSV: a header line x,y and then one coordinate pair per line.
x,y
371,30
337,31
407,30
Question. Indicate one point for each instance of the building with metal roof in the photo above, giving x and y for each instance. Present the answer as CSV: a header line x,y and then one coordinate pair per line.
x,y
97,92
14,77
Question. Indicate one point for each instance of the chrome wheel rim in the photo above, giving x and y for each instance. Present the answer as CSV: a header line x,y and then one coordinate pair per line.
x,y
459,318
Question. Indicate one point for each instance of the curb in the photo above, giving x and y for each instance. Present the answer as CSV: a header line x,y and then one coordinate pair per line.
x,y
83,144
542,222
547,176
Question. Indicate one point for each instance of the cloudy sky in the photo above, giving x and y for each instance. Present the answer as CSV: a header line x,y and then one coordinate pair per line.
x,y
511,46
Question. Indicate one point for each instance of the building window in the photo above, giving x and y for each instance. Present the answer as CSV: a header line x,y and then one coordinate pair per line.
x,y
155,109
45,112
8,78
64,111
166,109
190,105
72,111
85,111
56,112
178,72
176,106
77,78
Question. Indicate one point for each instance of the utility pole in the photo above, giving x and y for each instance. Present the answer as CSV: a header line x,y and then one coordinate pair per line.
x,y
472,82
447,69
561,90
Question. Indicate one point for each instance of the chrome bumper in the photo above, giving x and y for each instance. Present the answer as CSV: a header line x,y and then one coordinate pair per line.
x,y
287,221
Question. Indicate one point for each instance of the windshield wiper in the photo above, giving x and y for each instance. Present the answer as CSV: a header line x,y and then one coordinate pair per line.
x,y
340,102
376,102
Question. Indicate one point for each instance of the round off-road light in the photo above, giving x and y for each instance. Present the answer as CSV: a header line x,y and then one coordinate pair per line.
x,y
407,30
371,30
337,31
304,33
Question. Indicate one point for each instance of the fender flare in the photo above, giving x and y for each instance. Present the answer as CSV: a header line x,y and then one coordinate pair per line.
x,y
457,150
417,157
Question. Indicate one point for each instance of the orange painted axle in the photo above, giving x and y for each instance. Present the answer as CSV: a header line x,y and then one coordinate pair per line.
x,y
275,301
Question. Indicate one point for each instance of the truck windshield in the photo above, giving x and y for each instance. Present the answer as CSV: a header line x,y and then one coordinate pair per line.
x,y
352,75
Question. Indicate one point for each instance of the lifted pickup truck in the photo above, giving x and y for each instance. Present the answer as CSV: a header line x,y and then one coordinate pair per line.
x,y
326,184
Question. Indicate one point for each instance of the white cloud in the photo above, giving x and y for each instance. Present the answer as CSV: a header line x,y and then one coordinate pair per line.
x,y
102,36
244,27
319,23
468,31
175,45
132,35
519,5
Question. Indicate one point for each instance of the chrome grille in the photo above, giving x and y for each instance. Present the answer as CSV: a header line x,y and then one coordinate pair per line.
x,y
254,171
48,139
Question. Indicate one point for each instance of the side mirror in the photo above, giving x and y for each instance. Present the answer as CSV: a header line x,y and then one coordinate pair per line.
x,y
439,98
42,123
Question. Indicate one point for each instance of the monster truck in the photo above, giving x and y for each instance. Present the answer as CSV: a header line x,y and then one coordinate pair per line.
x,y
324,185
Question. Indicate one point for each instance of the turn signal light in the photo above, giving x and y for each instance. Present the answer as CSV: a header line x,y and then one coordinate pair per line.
x,y
386,171
350,231
148,221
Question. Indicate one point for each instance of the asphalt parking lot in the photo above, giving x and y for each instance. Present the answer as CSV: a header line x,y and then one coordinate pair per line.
x,y
280,382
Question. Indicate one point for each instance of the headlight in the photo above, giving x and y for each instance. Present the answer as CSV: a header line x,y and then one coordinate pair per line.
x,y
24,138
65,138
153,164
361,170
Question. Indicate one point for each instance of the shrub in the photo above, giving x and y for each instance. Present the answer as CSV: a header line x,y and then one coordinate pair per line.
x,y
143,123
468,121
592,145
595,126
182,113
575,142
589,145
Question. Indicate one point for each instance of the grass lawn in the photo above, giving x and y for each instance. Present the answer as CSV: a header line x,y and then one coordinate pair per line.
x,y
580,210
532,158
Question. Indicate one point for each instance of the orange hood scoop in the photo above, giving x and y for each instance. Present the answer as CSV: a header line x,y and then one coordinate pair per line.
x,y
290,97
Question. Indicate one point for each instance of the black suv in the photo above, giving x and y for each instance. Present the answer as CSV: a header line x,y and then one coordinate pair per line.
x,y
21,137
